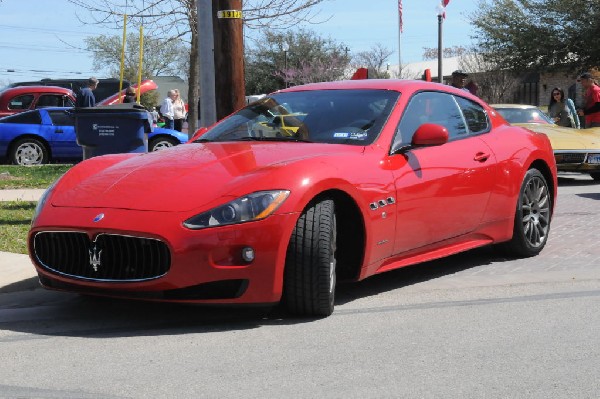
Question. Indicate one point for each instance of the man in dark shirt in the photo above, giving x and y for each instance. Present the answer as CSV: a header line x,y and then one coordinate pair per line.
x,y
85,97
459,79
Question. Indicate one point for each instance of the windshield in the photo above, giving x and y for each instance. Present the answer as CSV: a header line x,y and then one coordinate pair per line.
x,y
524,115
324,116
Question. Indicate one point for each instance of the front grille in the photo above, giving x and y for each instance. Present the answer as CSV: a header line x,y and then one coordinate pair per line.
x,y
570,158
110,257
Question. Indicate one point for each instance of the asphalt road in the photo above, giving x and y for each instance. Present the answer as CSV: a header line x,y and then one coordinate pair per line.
x,y
476,325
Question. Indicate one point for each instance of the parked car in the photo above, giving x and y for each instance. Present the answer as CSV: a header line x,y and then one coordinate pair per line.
x,y
575,150
48,134
18,99
381,174
106,87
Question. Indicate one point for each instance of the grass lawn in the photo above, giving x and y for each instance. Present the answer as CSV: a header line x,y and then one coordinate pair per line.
x,y
15,219
13,176
15,216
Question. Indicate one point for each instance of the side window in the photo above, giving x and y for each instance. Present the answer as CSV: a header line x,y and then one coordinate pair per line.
x,y
430,107
32,117
68,102
49,100
21,102
61,118
475,115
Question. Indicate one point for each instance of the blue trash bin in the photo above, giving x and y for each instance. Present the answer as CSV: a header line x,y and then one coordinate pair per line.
x,y
112,129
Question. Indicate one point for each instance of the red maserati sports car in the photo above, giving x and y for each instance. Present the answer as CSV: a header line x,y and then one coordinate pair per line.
x,y
366,176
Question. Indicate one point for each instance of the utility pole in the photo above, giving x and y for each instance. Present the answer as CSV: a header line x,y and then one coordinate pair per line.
x,y
208,114
229,56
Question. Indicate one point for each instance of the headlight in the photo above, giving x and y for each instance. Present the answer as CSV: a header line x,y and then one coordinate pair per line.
x,y
42,201
251,207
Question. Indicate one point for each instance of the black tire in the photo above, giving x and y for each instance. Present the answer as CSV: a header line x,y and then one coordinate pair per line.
x,y
595,176
533,216
160,143
310,277
29,151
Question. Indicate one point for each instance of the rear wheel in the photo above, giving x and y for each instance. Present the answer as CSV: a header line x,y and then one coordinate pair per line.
x,y
160,143
310,277
29,151
532,219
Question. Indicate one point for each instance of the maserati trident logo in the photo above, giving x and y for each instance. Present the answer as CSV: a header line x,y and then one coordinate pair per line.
x,y
95,257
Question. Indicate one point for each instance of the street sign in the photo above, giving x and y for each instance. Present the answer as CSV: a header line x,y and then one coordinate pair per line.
x,y
229,14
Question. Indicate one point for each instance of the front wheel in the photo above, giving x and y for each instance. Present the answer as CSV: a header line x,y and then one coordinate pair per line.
x,y
532,219
29,151
161,143
310,277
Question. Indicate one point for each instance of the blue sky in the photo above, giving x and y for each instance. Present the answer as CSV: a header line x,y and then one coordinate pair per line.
x,y
44,38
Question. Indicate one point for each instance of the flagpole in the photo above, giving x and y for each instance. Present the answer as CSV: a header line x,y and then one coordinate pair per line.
x,y
399,38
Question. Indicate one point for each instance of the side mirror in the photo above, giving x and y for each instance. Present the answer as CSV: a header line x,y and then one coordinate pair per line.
x,y
430,134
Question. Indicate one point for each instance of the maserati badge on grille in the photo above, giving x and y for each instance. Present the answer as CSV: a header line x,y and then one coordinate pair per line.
x,y
95,258
98,217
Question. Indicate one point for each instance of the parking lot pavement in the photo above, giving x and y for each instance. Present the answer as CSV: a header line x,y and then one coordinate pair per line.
x,y
572,251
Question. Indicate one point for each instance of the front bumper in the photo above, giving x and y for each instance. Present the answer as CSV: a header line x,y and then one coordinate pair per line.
x,y
584,161
206,266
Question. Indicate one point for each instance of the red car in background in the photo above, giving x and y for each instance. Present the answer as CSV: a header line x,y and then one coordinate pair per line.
x,y
375,175
23,98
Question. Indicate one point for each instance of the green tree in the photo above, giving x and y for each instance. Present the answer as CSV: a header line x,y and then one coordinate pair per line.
x,y
310,58
160,58
544,35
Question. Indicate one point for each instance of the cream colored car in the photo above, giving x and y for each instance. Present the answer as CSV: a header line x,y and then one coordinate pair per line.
x,y
575,150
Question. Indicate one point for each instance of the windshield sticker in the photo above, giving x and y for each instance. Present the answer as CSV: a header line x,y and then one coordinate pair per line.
x,y
351,136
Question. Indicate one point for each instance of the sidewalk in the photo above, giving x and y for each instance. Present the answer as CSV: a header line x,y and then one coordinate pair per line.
x,y
16,270
16,273
26,194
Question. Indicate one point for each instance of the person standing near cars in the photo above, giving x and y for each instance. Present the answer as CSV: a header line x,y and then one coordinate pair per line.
x,y
166,110
459,80
591,97
178,111
559,109
130,96
85,97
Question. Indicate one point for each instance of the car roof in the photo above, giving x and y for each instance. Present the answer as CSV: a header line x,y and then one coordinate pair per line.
x,y
36,89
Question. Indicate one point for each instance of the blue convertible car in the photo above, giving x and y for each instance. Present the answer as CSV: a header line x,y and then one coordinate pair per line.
x,y
48,134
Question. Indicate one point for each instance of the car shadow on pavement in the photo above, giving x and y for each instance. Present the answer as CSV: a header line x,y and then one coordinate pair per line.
x,y
576,181
410,275
41,312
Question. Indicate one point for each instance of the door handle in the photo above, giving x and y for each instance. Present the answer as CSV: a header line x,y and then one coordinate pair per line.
x,y
481,157
59,131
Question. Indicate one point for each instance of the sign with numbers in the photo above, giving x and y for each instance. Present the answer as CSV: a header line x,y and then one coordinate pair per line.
x,y
230,14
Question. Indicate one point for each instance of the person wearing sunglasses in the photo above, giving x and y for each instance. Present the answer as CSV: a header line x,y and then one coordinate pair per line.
x,y
559,109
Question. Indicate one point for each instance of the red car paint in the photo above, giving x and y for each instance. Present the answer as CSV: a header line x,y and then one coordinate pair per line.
x,y
434,199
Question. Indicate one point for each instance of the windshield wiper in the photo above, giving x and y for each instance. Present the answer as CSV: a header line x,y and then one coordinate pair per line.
x,y
202,141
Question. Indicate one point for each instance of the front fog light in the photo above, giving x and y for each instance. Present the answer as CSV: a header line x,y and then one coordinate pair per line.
x,y
248,254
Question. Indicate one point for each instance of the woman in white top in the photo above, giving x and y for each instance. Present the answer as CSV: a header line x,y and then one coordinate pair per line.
x,y
178,111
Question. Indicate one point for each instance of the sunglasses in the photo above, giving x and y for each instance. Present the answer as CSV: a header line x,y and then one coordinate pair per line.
x,y
556,94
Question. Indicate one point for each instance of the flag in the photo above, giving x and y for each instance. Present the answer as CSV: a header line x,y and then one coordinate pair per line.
x,y
400,13
444,4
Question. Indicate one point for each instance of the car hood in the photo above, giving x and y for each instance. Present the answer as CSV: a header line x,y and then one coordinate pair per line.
x,y
564,138
187,176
